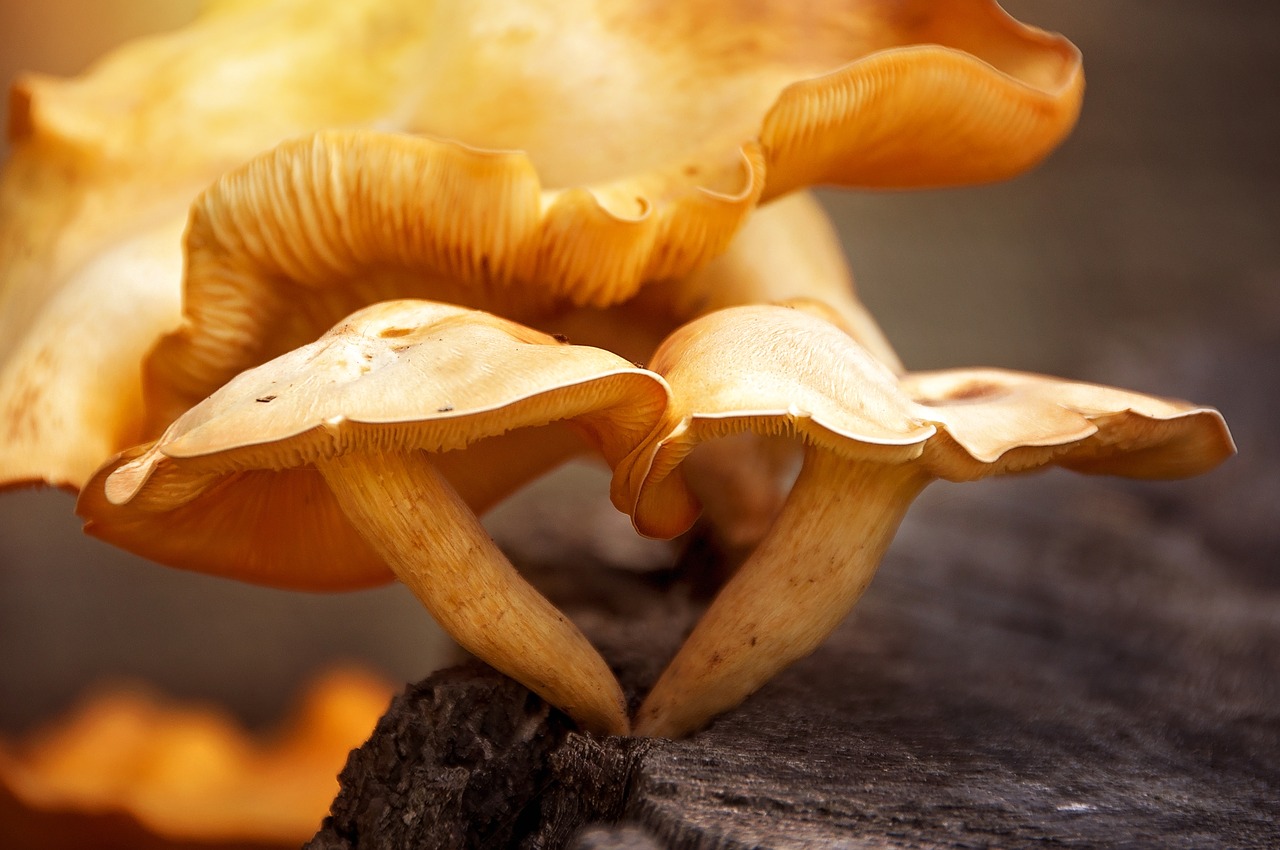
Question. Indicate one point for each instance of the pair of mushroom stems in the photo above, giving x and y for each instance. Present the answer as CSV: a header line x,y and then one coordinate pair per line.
x,y
434,543
803,579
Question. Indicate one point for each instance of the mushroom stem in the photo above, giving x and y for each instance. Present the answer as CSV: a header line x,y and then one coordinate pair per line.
x,y
404,507
802,580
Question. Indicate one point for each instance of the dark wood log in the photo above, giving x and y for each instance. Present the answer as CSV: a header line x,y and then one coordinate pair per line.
x,y
468,758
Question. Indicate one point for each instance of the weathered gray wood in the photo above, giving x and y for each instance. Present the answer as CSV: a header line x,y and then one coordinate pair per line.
x,y
1072,687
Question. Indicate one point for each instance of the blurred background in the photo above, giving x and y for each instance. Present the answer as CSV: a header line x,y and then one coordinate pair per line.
x,y
1144,253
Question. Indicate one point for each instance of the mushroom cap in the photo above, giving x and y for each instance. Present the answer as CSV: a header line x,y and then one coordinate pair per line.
x,y
1000,421
767,369
566,154
775,369
786,251
230,489
639,163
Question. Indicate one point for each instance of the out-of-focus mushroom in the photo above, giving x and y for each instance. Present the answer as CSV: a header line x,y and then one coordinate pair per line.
x,y
872,443
186,775
316,470
567,154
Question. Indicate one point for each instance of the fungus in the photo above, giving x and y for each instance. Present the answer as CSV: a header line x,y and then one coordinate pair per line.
x,y
314,471
872,443
564,155
185,774
786,250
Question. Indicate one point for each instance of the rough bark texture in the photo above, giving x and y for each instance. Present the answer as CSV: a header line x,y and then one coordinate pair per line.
x,y
467,759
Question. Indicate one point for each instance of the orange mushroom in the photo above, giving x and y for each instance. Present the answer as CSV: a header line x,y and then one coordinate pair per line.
x,y
315,470
786,250
127,762
872,443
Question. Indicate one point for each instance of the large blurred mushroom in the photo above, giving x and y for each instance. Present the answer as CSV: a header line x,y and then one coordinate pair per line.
x,y
565,155
315,470
872,443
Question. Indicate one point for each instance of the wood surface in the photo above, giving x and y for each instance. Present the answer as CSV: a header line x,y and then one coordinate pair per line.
x,y
1050,661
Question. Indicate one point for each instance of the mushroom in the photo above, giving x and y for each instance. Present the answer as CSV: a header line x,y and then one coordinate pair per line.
x,y
560,156
787,250
316,470
565,155
872,443
128,761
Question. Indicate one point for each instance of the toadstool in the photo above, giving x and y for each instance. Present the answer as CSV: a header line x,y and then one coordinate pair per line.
x,y
564,155
872,443
315,470
786,250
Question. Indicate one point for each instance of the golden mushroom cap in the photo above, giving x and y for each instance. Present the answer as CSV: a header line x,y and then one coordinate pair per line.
x,y
229,488
552,154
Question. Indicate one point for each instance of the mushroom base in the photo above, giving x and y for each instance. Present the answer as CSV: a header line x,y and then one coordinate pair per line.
x,y
805,577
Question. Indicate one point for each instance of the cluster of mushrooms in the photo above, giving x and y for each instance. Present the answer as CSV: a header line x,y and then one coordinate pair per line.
x,y
295,294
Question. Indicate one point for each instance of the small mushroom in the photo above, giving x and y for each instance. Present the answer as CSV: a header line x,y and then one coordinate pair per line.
x,y
872,443
316,470
787,250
